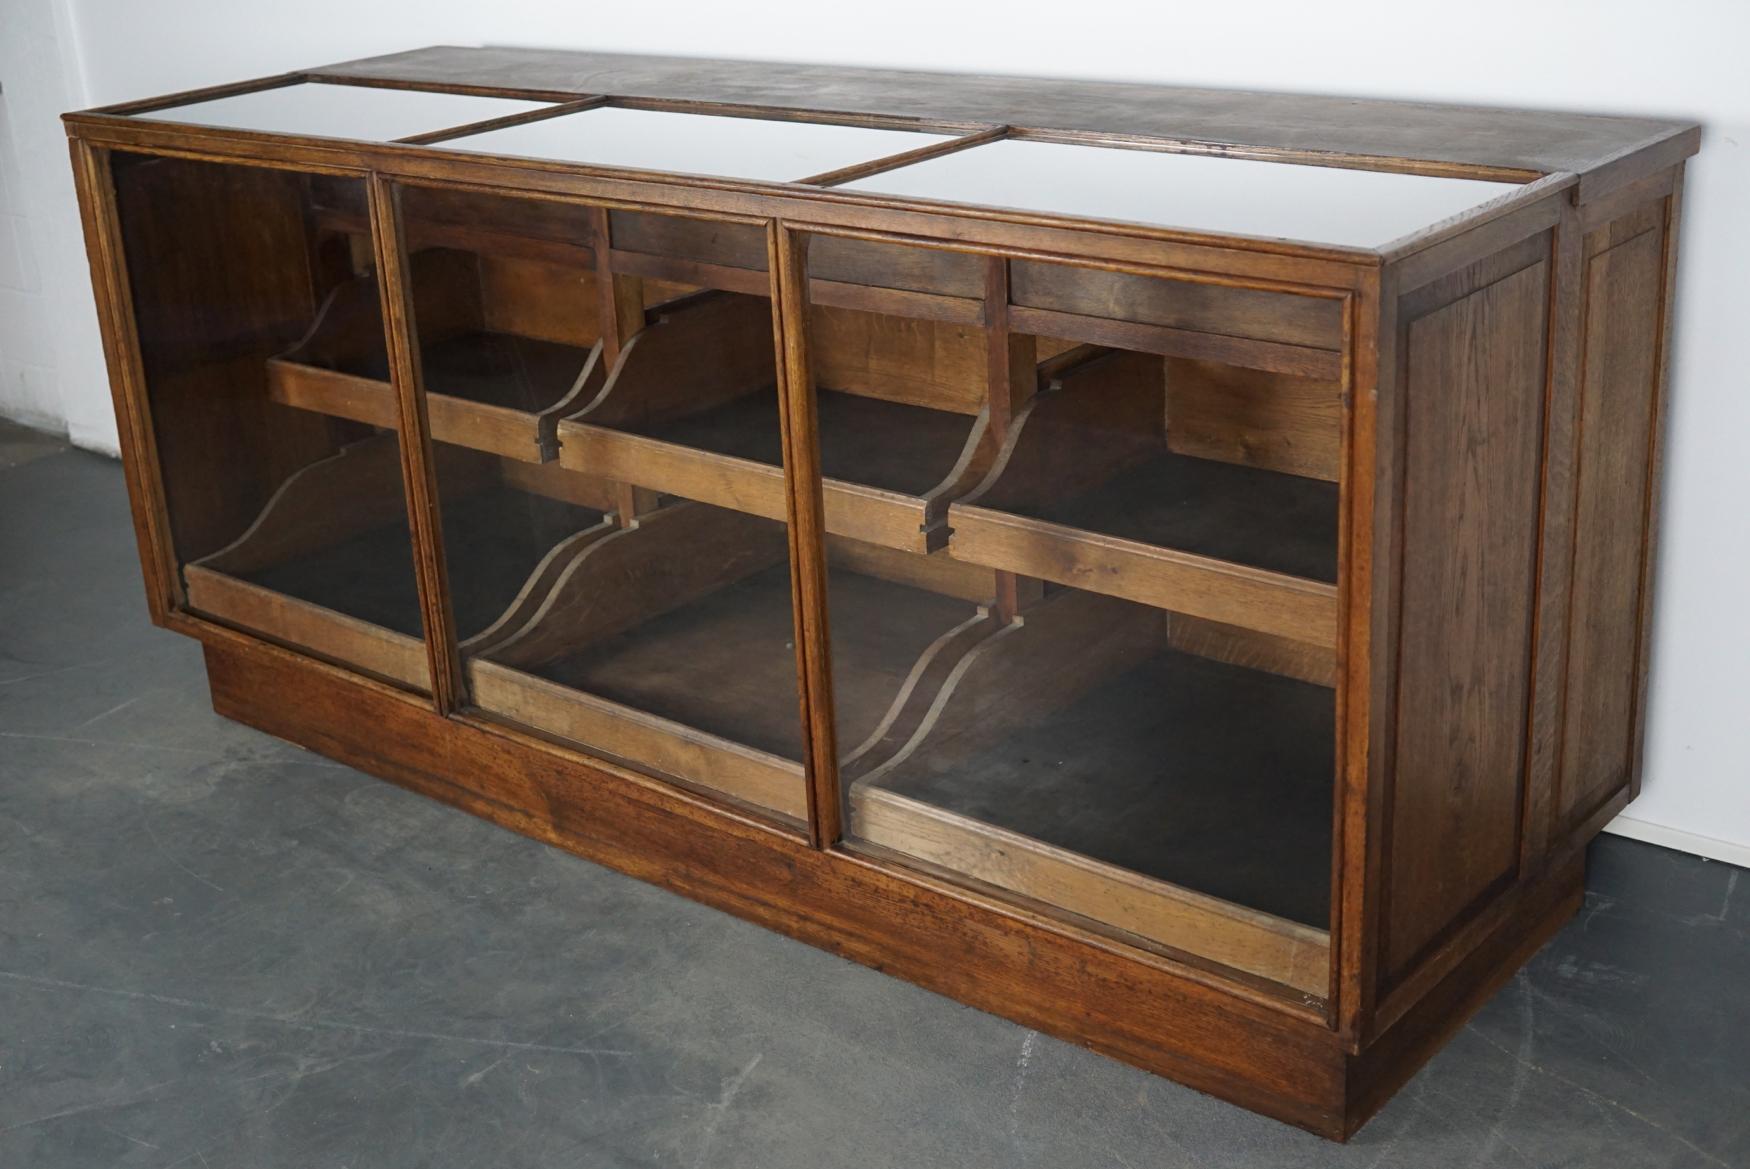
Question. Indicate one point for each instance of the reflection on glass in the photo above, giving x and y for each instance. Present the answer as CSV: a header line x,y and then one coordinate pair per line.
x,y
700,144
1318,204
1103,684
363,112
288,519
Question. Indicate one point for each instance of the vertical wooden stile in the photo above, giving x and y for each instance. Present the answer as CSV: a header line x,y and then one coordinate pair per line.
x,y
95,183
1655,465
1365,576
417,471
619,299
1555,569
1011,378
799,418
620,311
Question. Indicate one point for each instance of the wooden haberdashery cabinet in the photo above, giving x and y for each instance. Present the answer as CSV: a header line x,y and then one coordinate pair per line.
x,y
1169,567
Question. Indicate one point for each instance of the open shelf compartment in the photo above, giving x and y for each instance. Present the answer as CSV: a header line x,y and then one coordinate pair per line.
x,y
495,380
1137,730
709,431
670,645
1091,757
328,565
1097,488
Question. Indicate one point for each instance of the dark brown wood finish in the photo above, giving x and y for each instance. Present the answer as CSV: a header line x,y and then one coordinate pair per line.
x,y
1472,353
1481,400
787,260
430,568
1309,124
1622,297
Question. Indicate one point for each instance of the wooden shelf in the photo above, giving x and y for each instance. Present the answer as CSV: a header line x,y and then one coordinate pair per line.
x,y
1280,523
1076,759
710,431
329,564
486,389
1088,493
692,672
1231,544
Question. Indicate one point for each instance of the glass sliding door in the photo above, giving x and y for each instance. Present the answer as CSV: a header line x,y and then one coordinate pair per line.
x,y
256,302
1082,591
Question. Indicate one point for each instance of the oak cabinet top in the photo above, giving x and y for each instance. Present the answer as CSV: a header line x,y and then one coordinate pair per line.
x,y
1322,172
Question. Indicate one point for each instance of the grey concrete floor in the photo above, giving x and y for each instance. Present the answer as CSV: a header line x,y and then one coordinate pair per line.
x,y
219,950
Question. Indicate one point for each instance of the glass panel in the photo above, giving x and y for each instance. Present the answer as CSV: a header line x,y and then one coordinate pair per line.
x,y
701,144
363,112
609,468
288,518
1102,679
1320,204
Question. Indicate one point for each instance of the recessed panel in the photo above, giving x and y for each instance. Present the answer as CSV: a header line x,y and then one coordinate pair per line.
x,y
1318,204
1473,393
367,113
700,144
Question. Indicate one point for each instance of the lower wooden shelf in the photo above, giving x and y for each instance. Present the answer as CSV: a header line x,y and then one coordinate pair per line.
x,y
670,645
667,642
328,565
1078,760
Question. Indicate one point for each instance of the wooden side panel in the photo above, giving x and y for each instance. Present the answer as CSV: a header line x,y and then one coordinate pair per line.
x,y
1473,384
1621,320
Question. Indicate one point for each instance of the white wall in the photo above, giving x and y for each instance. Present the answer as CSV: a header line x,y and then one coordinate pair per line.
x,y
51,360
1624,56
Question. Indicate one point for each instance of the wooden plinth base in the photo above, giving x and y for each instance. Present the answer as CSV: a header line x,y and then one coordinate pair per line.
x,y
1240,1043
